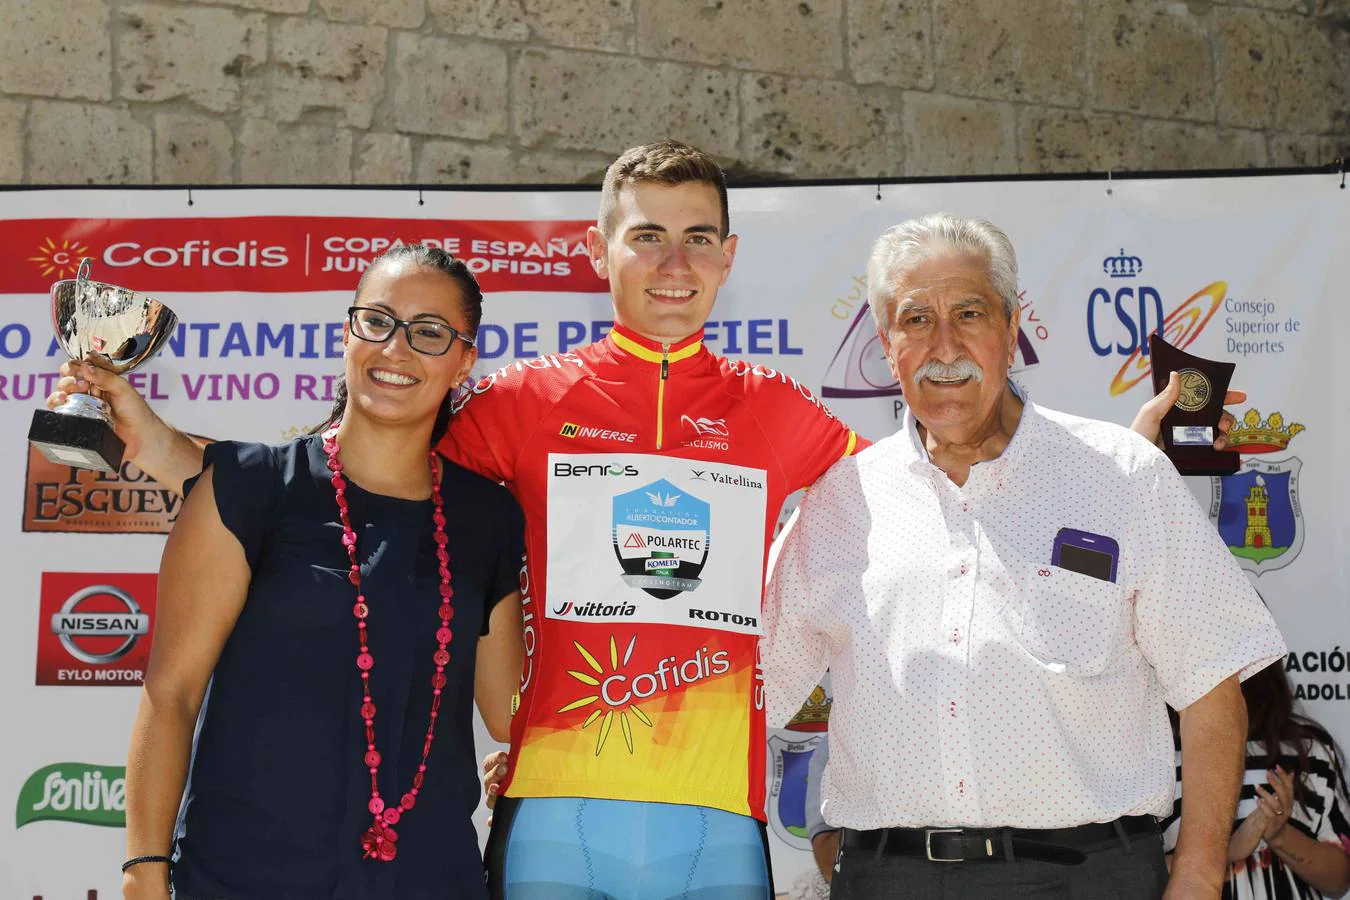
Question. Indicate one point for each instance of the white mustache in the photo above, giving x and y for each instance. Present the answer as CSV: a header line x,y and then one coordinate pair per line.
x,y
959,370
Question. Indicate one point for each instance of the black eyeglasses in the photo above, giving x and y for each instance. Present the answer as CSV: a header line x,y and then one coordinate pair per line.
x,y
425,336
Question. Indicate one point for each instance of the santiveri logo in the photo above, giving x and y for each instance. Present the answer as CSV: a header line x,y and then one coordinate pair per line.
x,y
74,792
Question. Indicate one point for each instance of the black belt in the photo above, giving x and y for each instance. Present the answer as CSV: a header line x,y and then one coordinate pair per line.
x,y
1053,845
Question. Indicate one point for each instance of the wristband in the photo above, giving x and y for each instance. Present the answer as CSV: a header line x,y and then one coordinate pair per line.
x,y
137,860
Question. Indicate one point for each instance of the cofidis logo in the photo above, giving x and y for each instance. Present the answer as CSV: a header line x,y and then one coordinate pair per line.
x,y
94,628
1123,312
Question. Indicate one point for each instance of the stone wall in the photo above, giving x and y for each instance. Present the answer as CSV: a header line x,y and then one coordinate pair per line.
x,y
519,91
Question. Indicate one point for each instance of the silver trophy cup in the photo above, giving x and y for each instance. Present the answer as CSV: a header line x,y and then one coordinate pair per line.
x,y
110,327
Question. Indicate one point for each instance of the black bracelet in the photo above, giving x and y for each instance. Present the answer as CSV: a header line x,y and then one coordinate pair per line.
x,y
137,860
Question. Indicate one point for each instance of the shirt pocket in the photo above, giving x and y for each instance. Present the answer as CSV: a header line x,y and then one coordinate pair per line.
x,y
1070,623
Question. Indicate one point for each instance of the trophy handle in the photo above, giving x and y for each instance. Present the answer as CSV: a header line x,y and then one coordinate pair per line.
x,y
82,276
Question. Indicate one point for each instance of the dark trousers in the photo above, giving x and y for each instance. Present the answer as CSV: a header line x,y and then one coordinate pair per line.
x,y
1112,872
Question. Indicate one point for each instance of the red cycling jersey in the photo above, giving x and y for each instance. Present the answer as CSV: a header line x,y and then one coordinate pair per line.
x,y
651,477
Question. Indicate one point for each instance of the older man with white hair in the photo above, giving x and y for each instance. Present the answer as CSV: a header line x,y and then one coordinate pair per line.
x,y
1007,598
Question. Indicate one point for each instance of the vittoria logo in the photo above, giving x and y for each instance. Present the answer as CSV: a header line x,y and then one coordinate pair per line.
x,y
58,262
613,692
593,610
94,628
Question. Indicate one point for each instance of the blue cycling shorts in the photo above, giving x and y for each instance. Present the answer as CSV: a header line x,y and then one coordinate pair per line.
x,y
565,848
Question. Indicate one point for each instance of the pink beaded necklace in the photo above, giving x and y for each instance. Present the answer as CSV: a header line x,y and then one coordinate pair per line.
x,y
379,841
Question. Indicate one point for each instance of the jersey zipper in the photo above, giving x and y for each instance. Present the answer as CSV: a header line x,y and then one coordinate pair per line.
x,y
661,393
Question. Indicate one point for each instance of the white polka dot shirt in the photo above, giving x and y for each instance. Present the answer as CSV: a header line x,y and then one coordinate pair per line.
x,y
975,683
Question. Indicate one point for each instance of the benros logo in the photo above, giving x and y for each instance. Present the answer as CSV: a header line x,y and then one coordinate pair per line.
x,y
572,470
616,691
74,792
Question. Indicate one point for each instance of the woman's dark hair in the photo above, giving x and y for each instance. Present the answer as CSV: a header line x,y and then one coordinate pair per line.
x,y
471,296
1272,721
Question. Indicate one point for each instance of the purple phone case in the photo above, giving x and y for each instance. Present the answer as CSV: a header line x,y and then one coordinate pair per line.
x,y
1086,540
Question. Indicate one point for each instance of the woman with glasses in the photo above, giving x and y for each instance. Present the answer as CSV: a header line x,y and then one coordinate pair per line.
x,y
331,607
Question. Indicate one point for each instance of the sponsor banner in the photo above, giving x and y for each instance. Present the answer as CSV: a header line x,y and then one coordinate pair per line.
x,y
64,498
74,792
279,254
1248,270
94,628
681,540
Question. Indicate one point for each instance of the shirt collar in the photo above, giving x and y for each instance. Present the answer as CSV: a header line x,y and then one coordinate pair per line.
x,y
915,451
630,343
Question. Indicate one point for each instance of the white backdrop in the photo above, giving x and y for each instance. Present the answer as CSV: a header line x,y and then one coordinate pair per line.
x,y
1244,269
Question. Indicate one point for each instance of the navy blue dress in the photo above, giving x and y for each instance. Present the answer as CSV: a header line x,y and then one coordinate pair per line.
x,y
276,801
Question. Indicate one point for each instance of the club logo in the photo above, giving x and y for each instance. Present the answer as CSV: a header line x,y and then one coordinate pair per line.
x,y
614,693
1253,434
1195,390
705,433
860,369
704,427
94,629
59,262
814,714
789,761
74,792
661,538
1258,514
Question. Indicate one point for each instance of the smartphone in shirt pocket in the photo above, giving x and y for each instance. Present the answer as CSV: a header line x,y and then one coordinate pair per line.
x,y
1071,616
1094,555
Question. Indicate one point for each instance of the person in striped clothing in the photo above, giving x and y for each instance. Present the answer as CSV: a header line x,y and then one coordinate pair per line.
x,y
1292,834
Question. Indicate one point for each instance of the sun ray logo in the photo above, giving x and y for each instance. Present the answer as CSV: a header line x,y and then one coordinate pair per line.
x,y
60,262
615,693
661,538
592,679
